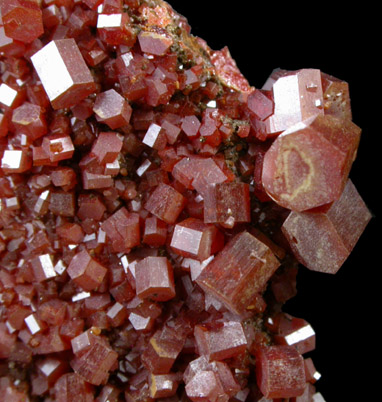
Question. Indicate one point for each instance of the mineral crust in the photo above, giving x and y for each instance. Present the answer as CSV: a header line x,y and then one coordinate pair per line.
x,y
154,207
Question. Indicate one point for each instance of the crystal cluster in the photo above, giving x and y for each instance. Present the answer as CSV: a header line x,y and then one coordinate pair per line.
x,y
154,207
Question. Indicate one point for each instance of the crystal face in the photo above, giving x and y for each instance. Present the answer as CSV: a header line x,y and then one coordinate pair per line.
x,y
239,272
63,73
307,165
323,241
155,208
22,19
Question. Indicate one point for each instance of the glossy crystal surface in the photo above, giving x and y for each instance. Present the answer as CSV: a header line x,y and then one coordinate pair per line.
x,y
307,165
154,208
22,19
280,372
239,272
63,73
323,241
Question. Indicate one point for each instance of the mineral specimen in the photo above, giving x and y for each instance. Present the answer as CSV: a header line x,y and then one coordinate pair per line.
x,y
154,207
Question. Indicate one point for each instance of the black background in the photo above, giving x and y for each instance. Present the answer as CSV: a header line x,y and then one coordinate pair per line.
x,y
341,41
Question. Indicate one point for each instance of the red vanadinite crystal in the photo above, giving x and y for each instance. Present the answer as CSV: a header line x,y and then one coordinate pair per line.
x,y
280,372
154,207
239,272
22,19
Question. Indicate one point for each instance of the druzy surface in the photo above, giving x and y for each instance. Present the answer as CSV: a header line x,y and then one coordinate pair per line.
x,y
154,208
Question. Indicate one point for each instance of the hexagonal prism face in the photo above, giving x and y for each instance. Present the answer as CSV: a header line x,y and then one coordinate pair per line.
x,y
280,372
323,241
220,342
297,96
239,272
63,72
155,279
194,239
22,20
307,166
85,271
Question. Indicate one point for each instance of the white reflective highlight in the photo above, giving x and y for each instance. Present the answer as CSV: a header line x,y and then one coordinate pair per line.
x,y
41,201
32,324
112,168
52,70
300,335
317,397
7,95
11,159
101,239
80,296
109,20
316,375
144,167
47,266
186,239
60,267
152,135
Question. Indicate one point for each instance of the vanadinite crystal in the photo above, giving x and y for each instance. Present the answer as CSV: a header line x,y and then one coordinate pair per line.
x,y
154,207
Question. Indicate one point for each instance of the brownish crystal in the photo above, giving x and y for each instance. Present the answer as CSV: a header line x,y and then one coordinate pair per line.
x,y
239,272
154,206
323,241
61,62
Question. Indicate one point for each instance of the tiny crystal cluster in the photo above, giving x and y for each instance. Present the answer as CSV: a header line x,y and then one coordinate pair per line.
x,y
155,207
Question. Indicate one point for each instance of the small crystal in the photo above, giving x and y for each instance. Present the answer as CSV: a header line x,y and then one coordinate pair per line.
x,y
58,147
222,342
191,125
155,232
15,161
205,386
86,271
153,43
280,372
30,119
42,203
154,279
115,29
311,374
43,268
227,204
32,324
69,386
122,230
62,203
107,147
166,203
7,95
95,361
162,350
260,105
116,314
295,332
194,239
155,137
112,109
163,385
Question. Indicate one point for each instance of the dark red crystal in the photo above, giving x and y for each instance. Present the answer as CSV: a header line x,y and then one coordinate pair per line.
x,y
154,207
